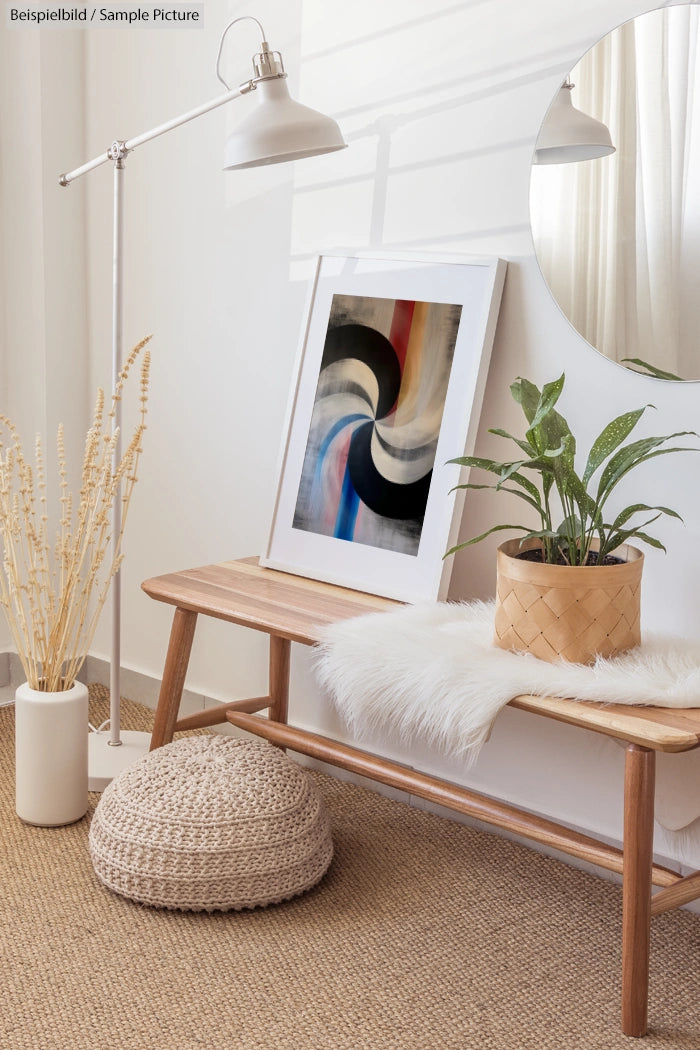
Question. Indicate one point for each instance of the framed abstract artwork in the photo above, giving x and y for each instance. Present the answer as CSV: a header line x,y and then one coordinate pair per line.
x,y
389,382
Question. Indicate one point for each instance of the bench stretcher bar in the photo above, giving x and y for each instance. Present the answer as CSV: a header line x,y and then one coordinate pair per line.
x,y
452,796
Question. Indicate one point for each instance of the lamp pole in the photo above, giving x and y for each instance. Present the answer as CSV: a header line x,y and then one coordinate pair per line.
x,y
117,364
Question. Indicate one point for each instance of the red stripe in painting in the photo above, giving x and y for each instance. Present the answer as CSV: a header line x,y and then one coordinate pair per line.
x,y
401,328
400,332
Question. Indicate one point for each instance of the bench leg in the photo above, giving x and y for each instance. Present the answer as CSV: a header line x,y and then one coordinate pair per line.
x,y
636,887
280,651
176,661
280,658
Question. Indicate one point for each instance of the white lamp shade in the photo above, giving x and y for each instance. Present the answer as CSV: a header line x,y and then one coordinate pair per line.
x,y
280,129
569,135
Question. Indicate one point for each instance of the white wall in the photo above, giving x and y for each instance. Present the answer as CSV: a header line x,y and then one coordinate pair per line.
x,y
440,102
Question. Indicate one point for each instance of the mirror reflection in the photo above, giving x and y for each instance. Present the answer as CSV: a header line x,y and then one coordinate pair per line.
x,y
618,237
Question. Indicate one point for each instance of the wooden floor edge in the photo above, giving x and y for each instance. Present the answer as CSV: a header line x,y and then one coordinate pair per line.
x,y
452,796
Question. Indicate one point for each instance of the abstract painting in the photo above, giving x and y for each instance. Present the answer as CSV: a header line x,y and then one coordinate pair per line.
x,y
392,365
376,420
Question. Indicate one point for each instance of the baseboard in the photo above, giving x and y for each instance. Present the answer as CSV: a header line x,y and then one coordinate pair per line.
x,y
12,673
142,688
4,670
136,685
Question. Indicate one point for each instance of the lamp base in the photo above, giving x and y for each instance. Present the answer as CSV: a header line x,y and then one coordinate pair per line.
x,y
106,761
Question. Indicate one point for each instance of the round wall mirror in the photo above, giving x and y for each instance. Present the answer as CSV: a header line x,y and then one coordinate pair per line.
x,y
617,234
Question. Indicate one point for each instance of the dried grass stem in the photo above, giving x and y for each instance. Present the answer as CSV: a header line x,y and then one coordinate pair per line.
x,y
52,596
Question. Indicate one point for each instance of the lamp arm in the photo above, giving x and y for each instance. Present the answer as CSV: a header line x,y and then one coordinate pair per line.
x,y
267,65
221,100
118,150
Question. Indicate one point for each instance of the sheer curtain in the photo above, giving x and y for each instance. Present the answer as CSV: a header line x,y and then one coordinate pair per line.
x,y
23,329
618,238
43,361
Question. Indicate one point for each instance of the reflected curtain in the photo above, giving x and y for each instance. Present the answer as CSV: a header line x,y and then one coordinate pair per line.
x,y
618,238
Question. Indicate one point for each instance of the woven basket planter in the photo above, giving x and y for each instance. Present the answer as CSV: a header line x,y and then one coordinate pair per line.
x,y
563,612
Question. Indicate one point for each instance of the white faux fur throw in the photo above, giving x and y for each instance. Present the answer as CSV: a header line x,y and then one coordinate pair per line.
x,y
431,672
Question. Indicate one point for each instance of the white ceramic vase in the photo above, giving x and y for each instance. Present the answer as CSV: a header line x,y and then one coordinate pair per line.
x,y
51,755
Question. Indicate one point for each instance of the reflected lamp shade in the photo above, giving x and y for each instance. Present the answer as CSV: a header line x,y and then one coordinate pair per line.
x,y
280,129
569,135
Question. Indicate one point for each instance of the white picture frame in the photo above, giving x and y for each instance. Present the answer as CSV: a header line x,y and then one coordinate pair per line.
x,y
390,376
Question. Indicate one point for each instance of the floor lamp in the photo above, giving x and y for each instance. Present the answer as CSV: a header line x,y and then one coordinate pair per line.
x,y
279,130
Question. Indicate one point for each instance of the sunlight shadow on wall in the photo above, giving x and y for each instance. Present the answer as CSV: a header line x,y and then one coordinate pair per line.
x,y
423,122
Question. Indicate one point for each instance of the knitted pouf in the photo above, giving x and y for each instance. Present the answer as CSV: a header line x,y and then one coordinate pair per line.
x,y
211,823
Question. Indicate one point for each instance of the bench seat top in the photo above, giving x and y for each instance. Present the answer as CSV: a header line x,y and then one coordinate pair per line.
x,y
297,608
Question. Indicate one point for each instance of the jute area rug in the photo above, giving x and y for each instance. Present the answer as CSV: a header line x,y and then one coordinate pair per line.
x,y
423,935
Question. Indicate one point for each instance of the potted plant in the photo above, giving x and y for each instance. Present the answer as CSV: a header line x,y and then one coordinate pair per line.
x,y
570,587
52,594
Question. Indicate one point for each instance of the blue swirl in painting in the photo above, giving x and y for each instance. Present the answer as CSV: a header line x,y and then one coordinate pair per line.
x,y
376,421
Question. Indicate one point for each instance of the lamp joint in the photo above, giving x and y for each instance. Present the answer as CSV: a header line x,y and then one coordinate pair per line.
x,y
117,152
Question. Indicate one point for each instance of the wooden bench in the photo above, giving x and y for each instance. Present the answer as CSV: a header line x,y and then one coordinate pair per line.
x,y
293,609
